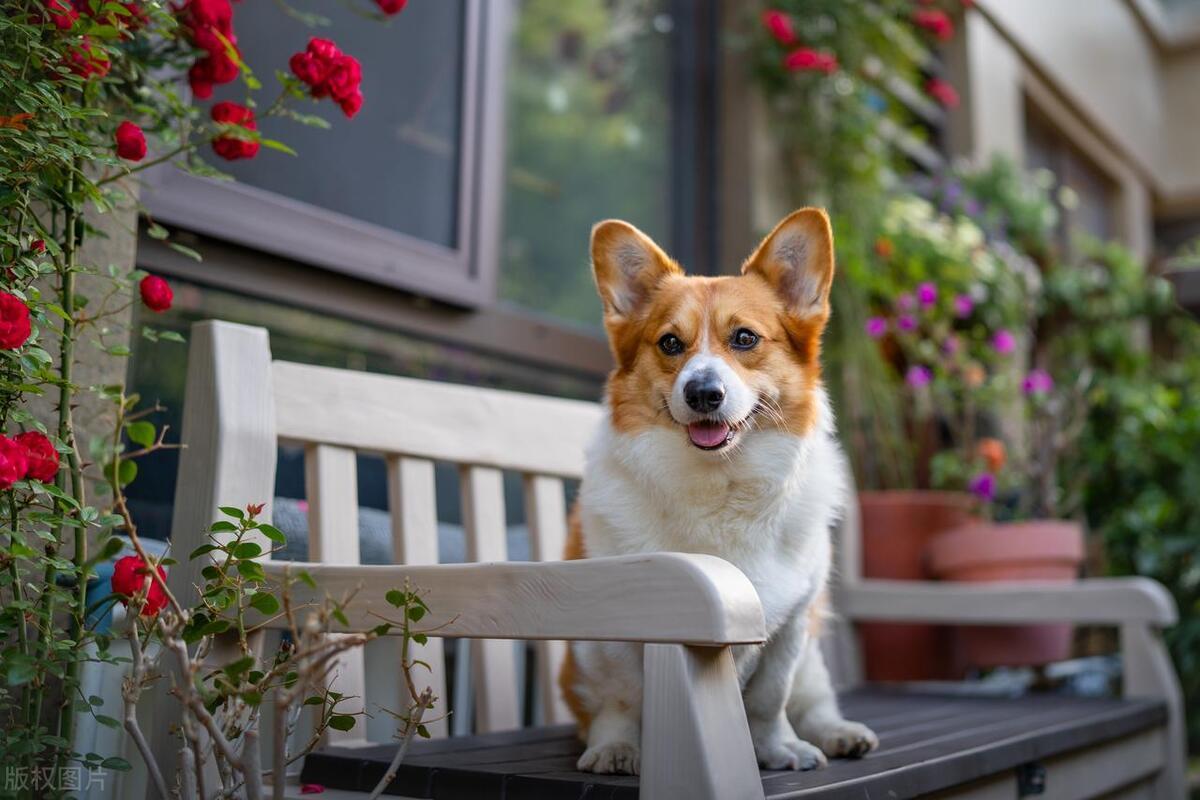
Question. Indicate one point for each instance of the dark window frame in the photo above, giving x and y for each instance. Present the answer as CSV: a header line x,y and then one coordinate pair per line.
x,y
464,275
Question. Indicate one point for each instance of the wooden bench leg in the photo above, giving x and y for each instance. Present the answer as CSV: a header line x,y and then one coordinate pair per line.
x,y
695,739
1148,673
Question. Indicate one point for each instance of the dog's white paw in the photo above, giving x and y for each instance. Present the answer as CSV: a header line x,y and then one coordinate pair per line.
x,y
846,739
788,752
613,758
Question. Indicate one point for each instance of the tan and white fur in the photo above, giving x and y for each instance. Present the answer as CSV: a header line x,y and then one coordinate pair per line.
x,y
718,439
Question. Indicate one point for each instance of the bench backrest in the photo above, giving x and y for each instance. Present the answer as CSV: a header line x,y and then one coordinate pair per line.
x,y
240,405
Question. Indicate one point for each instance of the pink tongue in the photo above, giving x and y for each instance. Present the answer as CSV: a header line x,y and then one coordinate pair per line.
x,y
707,434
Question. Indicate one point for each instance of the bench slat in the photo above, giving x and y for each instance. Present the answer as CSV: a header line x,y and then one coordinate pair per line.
x,y
493,662
331,483
413,502
546,516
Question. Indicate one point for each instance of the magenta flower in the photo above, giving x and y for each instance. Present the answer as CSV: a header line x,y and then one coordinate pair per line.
x,y
1003,342
876,327
906,322
927,294
951,345
963,306
918,376
906,302
983,486
1038,381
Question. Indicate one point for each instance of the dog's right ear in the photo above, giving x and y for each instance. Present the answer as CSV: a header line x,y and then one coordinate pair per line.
x,y
628,265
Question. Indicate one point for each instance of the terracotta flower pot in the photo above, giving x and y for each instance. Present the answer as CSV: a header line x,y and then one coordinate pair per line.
x,y
980,552
897,528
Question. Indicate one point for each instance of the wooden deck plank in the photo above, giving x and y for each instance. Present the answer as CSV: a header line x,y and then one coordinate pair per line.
x,y
928,743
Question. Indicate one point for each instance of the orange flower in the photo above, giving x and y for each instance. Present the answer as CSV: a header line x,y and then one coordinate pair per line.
x,y
884,248
974,376
992,452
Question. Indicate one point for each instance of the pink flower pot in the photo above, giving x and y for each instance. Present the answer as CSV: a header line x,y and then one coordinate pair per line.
x,y
981,552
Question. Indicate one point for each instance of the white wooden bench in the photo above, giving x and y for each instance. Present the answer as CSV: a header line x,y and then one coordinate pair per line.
x,y
240,405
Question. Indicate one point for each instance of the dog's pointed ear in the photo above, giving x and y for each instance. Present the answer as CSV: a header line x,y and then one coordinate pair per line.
x,y
628,265
796,259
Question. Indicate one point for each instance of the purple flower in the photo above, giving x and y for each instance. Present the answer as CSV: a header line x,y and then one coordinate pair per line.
x,y
1003,342
963,306
983,486
906,322
906,302
1038,381
876,327
951,345
918,376
927,294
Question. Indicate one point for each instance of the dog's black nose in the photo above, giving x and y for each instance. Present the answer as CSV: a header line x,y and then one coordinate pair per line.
x,y
704,393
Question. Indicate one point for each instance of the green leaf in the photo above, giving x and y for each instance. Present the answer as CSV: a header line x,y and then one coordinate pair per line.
x,y
201,550
20,669
156,231
422,731
315,700
240,666
114,762
415,613
341,722
420,638
276,145
395,597
382,630
273,533
141,432
171,336
221,526
306,579
232,511
186,251
265,603
340,616
247,550
251,570
107,721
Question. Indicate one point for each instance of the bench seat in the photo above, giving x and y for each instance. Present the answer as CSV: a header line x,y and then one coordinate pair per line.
x,y
929,742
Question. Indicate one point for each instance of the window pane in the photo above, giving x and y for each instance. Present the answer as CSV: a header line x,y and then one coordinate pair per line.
x,y
589,122
396,163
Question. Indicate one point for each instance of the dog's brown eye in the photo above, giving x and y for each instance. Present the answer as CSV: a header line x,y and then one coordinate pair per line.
x,y
744,339
670,344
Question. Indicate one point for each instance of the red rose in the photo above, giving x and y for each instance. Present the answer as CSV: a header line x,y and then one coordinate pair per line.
x,y
62,14
934,21
86,62
40,454
328,72
228,146
38,246
942,91
805,59
780,26
14,321
208,25
156,293
129,578
131,142
13,462
391,6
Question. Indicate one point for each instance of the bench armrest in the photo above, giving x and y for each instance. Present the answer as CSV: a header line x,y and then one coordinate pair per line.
x,y
1098,601
660,597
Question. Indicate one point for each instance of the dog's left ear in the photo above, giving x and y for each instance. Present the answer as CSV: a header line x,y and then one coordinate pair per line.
x,y
796,259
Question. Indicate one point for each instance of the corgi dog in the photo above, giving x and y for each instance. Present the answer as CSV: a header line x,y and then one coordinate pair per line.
x,y
718,438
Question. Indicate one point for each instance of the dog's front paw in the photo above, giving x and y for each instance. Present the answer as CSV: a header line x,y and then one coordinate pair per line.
x,y
788,752
612,758
846,739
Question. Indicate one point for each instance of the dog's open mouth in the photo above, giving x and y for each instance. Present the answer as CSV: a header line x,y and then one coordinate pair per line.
x,y
710,434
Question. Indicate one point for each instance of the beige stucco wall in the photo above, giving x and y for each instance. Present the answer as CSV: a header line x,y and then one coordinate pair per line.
x,y
1181,92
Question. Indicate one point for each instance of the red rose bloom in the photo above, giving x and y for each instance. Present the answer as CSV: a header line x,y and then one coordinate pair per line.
x,y
14,321
62,14
805,59
942,92
40,455
228,146
131,142
129,577
206,23
780,26
86,62
13,462
934,21
38,246
390,7
156,293
328,72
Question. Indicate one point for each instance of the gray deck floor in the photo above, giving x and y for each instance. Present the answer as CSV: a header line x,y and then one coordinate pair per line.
x,y
928,742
